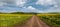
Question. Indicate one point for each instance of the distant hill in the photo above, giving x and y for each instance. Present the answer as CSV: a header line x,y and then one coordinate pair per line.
x,y
2,13
29,13
19,13
23,13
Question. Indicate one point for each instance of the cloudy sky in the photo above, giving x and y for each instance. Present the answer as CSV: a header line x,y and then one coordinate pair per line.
x,y
39,6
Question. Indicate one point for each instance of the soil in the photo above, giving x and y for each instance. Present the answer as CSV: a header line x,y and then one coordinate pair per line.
x,y
33,22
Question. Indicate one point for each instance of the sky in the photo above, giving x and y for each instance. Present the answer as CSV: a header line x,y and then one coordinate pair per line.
x,y
39,6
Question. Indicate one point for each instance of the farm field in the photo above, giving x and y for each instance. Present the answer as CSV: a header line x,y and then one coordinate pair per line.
x,y
8,20
53,20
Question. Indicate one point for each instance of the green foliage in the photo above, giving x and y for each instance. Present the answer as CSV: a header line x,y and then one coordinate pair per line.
x,y
8,21
53,21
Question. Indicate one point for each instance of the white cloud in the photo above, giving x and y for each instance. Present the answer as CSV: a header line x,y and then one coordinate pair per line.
x,y
56,3
45,2
15,2
1,4
40,12
20,2
32,9
55,8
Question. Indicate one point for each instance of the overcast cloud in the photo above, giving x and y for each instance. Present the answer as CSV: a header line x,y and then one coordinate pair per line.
x,y
30,5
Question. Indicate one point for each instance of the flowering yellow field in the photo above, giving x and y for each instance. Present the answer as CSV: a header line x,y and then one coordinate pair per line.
x,y
47,14
7,20
15,14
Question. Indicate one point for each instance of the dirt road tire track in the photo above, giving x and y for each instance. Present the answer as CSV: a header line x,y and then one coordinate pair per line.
x,y
34,22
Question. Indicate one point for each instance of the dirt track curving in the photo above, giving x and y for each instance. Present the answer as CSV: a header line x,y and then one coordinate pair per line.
x,y
33,22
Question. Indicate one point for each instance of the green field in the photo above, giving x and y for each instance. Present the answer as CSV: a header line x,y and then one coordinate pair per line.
x,y
8,20
52,20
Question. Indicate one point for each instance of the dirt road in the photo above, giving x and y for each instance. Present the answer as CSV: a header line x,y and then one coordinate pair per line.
x,y
34,22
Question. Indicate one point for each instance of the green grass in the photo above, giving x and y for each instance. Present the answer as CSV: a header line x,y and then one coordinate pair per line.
x,y
11,19
51,20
